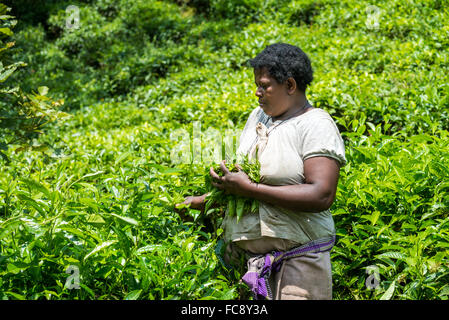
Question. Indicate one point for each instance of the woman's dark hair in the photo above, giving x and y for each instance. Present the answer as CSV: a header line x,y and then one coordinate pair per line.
x,y
283,61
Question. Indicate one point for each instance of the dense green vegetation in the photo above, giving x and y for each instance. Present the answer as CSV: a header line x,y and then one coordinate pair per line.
x,y
22,115
100,196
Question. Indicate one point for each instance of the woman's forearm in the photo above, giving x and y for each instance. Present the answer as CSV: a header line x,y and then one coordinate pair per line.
x,y
301,197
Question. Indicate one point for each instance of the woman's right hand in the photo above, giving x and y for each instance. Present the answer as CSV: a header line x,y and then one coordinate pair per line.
x,y
194,202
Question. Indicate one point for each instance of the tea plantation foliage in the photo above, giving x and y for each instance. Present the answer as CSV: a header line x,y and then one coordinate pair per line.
x,y
100,195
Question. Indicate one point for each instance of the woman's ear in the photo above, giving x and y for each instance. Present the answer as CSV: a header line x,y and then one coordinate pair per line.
x,y
291,86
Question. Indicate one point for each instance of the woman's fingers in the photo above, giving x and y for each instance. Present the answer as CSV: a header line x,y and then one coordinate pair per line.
x,y
218,185
192,202
221,182
214,175
186,202
223,167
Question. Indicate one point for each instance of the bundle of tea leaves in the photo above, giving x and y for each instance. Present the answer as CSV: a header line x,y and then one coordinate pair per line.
x,y
236,205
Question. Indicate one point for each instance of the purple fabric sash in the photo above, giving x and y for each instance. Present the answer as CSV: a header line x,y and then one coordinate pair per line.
x,y
260,267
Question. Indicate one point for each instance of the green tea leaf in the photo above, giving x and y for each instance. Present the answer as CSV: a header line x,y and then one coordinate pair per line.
x,y
31,202
93,174
99,248
16,295
126,219
6,31
95,219
393,254
239,208
122,157
42,90
389,293
16,267
34,185
133,295
148,248
374,216
231,206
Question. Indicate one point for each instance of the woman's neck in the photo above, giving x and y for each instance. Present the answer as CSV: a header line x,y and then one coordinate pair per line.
x,y
298,108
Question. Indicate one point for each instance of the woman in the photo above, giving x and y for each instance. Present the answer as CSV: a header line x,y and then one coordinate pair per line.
x,y
300,151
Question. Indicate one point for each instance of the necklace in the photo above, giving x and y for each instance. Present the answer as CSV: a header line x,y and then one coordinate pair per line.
x,y
271,128
306,106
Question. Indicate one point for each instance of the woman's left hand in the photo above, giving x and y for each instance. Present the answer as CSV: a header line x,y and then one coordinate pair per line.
x,y
237,183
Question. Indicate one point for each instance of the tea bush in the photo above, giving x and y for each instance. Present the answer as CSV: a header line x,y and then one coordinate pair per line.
x,y
101,196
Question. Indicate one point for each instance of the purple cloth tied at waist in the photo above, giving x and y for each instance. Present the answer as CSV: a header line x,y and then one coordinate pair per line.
x,y
260,267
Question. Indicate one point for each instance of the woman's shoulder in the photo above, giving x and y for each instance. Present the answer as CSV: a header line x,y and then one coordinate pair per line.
x,y
314,111
314,114
313,120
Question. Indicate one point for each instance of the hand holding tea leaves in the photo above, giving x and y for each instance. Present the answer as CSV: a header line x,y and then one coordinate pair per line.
x,y
231,187
227,188
194,202
234,182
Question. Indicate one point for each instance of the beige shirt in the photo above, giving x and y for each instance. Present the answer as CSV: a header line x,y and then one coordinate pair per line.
x,y
287,145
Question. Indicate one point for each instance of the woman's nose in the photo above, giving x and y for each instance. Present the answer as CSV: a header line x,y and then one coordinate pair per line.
x,y
259,92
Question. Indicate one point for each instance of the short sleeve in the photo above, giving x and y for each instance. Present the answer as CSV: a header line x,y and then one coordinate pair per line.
x,y
321,137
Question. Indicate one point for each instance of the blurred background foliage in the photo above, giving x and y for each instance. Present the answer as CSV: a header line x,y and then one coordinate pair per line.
x,y
100,193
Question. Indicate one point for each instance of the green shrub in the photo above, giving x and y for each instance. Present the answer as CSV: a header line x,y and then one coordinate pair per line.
x,y
101,196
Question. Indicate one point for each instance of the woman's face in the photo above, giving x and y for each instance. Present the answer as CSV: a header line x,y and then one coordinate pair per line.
x,y
273,97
